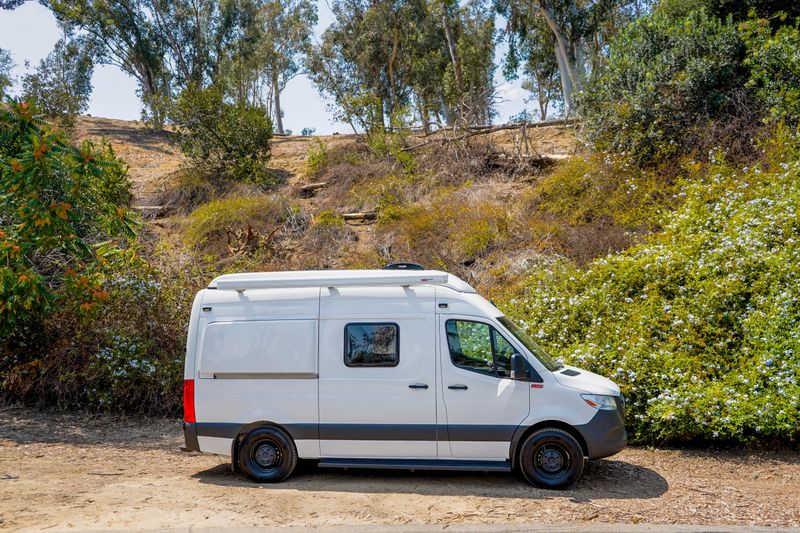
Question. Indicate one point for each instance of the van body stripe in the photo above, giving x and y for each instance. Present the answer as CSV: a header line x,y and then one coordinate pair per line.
x,y
408,432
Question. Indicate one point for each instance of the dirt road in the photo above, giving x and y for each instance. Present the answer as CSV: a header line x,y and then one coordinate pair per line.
x,y
70,472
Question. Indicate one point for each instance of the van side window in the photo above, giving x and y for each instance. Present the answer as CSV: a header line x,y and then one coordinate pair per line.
x,y
479,347
371,344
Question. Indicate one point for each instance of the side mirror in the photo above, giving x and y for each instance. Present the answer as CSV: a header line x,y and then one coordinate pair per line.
x,y
519,368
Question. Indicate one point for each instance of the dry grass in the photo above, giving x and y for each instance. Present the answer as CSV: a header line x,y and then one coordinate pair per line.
x,y
471,208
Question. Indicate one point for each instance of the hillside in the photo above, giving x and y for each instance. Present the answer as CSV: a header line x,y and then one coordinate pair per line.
x,y
491,171
153,156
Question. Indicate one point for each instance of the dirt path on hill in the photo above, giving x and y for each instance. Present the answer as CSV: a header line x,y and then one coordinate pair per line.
x,y
72,472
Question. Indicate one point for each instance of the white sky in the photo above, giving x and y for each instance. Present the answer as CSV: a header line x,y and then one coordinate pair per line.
x,y
30,32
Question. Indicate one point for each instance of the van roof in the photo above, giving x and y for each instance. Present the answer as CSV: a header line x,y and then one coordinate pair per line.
x,y
338,278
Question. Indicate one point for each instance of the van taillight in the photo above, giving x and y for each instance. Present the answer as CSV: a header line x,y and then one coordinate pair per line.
x,y
188,401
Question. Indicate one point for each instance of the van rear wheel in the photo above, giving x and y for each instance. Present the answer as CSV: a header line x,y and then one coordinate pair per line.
x,y
551,458
267,455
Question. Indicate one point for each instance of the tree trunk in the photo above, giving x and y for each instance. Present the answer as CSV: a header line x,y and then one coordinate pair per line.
x,y
566,68
542,97
566,82
276,92
424,115
451,45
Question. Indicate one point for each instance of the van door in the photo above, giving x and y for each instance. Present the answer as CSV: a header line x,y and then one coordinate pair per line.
x,y
377,372
483,406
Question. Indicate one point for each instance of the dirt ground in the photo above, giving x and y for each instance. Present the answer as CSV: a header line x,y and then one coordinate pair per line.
x,y
74,472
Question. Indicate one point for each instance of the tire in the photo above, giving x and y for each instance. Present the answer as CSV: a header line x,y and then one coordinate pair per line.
x,y
267,455
551,458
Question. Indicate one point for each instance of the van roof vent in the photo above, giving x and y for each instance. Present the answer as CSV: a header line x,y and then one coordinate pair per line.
x,y
337,278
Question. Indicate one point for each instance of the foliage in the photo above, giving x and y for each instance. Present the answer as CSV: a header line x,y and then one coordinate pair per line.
x,y
210,223
392,144
700,325
449,232
126,355
6,64
316,157
266,51
224,140
57,204
85,321
775,68
739,10
329,219
168,47
666,79
567,37
62,83
126,34
380,59
606,186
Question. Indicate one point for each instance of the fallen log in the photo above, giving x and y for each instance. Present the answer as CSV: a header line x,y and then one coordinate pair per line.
x,y
312,188
484,130
367,217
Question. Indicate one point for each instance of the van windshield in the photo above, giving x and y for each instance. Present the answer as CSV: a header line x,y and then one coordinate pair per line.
x,y
551,364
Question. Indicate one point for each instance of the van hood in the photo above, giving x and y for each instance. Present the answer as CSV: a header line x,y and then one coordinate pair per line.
x,y
585,381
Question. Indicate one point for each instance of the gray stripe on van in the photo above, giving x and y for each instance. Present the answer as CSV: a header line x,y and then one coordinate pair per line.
x,y
377,432
401,432
265,375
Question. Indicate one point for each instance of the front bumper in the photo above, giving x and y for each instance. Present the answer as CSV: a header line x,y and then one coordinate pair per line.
x,y
604,434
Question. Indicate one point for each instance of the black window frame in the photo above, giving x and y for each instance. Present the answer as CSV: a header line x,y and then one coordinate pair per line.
x,y
493,333
365,365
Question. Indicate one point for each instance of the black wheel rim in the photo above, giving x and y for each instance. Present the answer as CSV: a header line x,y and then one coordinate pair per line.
x,y
266,455
551,460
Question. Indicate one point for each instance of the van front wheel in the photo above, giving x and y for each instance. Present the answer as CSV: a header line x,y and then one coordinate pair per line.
x,y
267,455
551,458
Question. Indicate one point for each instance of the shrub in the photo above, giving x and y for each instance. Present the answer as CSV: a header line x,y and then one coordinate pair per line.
x,y
450,232
223,225
57,203
666,79
223,140
124,355
316,157
699,325
775,68
329,219
604,186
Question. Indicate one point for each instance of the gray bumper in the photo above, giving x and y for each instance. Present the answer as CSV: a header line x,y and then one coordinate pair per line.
x,y
190,436
604,434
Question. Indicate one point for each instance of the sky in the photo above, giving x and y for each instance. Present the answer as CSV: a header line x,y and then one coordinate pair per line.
x,y
30,32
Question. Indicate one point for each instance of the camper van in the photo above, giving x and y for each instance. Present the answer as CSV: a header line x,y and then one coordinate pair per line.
x,y
403,369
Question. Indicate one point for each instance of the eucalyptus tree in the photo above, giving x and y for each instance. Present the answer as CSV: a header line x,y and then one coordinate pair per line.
x,y
382,59
286,28
124,33
61,84
580,30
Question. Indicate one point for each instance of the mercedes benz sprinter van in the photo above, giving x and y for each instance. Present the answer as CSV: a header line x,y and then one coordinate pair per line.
x,y
406,369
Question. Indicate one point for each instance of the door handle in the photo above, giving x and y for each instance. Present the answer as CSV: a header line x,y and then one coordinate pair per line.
x,y
458,387
418,386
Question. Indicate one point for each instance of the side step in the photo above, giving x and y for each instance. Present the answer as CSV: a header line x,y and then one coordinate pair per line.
x,y
419,464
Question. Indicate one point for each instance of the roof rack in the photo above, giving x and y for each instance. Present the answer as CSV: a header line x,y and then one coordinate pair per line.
x,y
331,278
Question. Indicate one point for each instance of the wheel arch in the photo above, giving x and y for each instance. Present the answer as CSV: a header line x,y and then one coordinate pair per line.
x,y
523,431
244,431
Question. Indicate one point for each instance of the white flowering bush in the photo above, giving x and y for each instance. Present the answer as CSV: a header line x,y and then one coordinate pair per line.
x,y
700,325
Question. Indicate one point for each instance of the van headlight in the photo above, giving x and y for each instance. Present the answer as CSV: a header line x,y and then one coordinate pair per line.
x,y
599,401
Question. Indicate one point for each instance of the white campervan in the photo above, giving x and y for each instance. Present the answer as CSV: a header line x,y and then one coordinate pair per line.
x,y
384,369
